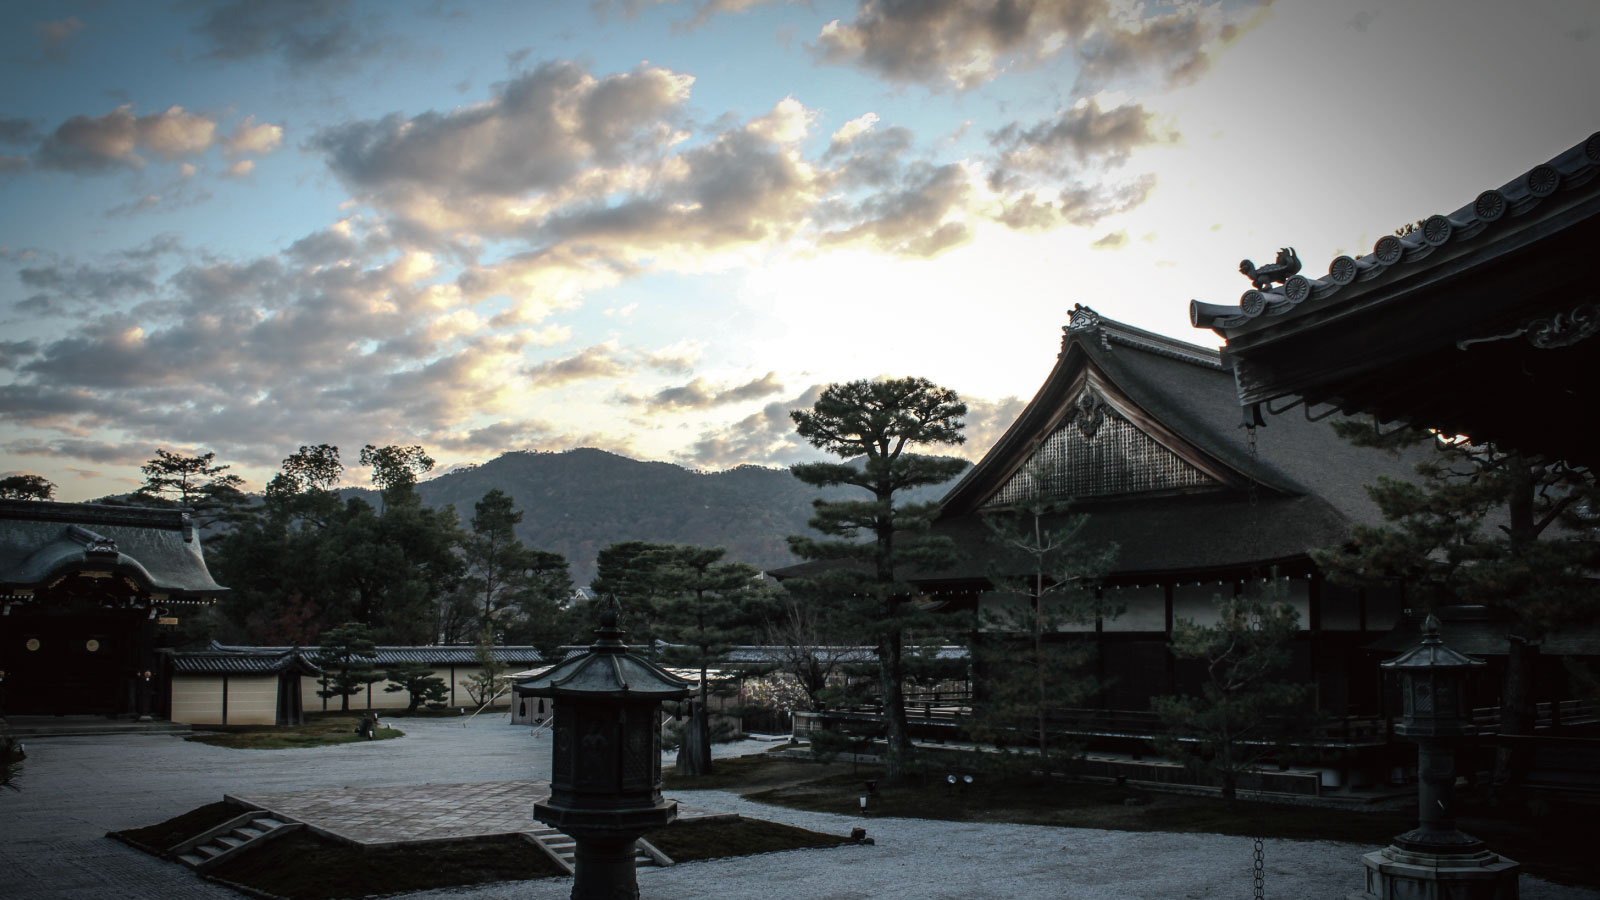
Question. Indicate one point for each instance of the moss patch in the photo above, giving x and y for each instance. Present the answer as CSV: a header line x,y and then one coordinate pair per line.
x,y
176,830
691,841
304,866
317,732
746,773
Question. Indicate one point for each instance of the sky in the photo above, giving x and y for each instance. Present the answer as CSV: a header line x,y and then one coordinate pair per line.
x,y
657,227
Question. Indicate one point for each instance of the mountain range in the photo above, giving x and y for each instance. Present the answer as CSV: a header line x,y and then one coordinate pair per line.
x,y
576,502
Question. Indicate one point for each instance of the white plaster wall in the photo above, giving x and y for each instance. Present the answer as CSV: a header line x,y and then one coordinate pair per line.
x,y
197,699
1145,609
252,700
1197,602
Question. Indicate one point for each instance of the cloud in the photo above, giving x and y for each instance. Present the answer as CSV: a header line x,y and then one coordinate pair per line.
x,y
706,10
1175,47
112,141
526,434
763,438
591,363
55,39
1111,241
987,421
18,132
240,169
861,155
1077,204
162,244
300,33
93,451
238,354
676,359
540,133
1082,133
70,288
597,173
963,44
921,216
702,394
251,138
12,353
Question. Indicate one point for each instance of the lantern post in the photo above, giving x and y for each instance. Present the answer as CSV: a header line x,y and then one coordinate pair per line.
x,y
1436,860
605,778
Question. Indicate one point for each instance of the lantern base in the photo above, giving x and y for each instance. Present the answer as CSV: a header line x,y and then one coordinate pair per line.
x,y
1394,873
603,866
1431,843
634,819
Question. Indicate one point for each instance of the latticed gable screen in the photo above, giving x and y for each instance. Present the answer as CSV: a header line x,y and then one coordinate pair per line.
x,y
1098,453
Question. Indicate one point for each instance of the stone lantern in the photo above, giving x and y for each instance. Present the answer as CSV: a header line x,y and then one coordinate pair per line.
x,y
1435,860
605,778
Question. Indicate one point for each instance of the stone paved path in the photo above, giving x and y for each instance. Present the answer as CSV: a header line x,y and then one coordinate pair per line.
x,y
378,815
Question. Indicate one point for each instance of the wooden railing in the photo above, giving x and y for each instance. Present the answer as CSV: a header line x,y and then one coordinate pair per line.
x,y
941,715
1547,715
944,717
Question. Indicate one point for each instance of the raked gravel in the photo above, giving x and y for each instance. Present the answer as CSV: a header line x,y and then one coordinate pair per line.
x,y
74,789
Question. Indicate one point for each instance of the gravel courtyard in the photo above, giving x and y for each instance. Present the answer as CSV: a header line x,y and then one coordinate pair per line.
x,y
75,789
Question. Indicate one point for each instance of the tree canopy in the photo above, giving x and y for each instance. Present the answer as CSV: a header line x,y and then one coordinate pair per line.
x,y
875,425
1245,711
196,482
26,487
395,470
1481,526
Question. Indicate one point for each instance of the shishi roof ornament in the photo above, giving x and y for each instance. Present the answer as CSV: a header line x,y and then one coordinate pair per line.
x,y
1286,267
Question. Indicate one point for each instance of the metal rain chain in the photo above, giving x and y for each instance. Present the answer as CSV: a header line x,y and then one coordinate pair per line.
x,y
1260,871
1250,422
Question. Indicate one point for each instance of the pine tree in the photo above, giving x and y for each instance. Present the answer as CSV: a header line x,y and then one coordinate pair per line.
x,y
705,610
1244,711
485,685
1481,526
876,423
346,655
630,572
418,680
195,482
1046,579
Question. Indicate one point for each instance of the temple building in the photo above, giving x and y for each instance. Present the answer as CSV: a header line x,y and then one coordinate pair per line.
x,y
1141,433
1479,323
84,590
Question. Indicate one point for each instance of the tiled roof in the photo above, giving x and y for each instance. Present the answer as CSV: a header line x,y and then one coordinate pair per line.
x,y
157,549
241,662
751,654
1492,212
433,655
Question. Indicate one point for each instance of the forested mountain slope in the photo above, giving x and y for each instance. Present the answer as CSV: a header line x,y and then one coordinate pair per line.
x,y
578,501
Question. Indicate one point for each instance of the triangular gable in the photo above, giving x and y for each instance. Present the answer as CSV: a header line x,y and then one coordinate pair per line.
x,y
1094,436
1096,451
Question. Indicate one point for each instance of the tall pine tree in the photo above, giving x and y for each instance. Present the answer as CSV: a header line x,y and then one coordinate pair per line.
x,y
874,425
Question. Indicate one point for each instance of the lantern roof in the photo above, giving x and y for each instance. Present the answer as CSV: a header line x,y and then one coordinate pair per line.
x,y
608,670
1431,653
